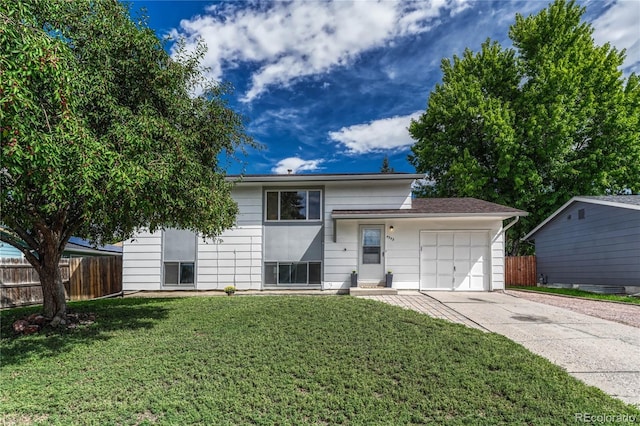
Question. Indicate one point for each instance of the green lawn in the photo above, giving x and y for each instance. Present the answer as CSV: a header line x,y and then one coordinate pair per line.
x,y
580,293
279,360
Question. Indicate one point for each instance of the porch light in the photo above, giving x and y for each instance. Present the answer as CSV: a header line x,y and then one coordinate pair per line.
x,y
391,228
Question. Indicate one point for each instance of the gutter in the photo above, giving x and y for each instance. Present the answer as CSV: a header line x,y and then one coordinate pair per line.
x,y
510,224
410,214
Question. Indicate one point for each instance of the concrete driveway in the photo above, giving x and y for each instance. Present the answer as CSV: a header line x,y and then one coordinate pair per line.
x,y
601,353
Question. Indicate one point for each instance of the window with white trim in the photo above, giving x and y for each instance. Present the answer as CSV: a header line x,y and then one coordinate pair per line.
x,y
179,273
293,205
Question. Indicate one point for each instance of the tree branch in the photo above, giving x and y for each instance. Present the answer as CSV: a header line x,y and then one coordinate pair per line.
x,y
8,236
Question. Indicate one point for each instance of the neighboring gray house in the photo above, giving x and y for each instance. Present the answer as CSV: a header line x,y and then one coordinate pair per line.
x,y
76,247
592,241
313,230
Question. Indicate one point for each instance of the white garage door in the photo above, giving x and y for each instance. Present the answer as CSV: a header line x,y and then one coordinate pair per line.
x,y
454,260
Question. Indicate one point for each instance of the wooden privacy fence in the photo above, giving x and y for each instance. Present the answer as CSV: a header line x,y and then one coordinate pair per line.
x,y
83,278
520,270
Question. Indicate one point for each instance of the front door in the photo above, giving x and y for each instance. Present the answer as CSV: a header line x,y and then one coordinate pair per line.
x,y
370,263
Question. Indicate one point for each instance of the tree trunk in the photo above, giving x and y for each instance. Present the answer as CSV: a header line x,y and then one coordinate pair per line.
x,y
53,294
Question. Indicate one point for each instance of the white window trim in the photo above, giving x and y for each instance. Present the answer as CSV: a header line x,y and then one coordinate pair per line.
x,y
179,263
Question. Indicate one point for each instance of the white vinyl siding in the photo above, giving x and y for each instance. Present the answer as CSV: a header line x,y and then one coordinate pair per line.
x,y
357,195
142,262
234,259
249,200
341,257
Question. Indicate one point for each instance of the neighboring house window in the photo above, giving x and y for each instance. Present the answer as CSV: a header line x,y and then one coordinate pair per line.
x,y
293,205
580,214
179,257
289,273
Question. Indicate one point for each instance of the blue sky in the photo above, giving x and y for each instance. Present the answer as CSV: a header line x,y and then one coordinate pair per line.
x,y
331,86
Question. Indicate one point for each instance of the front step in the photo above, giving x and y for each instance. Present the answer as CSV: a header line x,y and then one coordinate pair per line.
x,y
371,284
372,291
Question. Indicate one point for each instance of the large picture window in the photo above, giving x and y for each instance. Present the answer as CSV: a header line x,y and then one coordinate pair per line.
x,y
293,205
292,273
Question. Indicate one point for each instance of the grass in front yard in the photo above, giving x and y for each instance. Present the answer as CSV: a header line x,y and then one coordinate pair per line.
x,y
580,293
279,360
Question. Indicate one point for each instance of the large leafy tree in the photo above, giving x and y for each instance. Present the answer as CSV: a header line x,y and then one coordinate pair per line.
x,y
102,133
533,125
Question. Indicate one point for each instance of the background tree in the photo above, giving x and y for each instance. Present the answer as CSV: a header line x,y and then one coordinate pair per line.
x,y
101,134
385,168
534,125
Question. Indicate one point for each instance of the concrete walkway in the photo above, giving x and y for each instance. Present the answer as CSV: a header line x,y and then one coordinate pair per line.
x,y
426,305
601,353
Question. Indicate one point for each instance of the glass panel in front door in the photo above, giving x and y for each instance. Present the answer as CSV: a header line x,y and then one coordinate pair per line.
x,y
371,250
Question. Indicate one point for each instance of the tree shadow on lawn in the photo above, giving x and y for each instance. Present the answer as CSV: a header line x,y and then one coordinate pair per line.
x,y
111,315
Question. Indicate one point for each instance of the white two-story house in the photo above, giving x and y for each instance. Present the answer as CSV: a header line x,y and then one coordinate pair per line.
x,y
311,231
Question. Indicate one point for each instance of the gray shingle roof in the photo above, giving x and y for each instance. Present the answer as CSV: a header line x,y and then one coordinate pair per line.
x,y
633,200
618,201
440,206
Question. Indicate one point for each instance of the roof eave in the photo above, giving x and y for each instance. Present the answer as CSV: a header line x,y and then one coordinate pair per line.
x,y
324,178
502,216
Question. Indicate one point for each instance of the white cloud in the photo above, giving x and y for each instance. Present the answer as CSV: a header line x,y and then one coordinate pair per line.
x,y
290,40
620,26
378,135
295,164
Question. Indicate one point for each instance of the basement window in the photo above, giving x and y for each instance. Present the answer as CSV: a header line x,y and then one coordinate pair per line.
x,y
292,273
179,273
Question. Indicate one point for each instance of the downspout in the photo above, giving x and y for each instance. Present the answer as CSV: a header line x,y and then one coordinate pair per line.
x,y
506,228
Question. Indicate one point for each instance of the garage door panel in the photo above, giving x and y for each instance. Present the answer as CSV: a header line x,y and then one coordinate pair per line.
x,y
445,238
477,269
462,254
444,252
462,239
476,283
444,266
443,281
429,239
461,285
478,239
478,252
429,268
429,252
